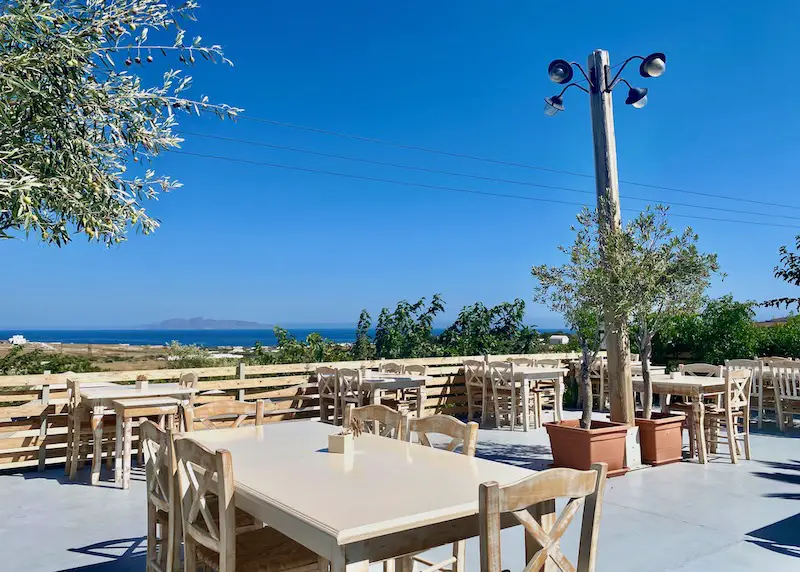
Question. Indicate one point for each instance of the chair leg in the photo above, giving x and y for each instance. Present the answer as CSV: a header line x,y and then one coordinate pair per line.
x,y
746,435
68,460
460,554
76,444
152,537
731,429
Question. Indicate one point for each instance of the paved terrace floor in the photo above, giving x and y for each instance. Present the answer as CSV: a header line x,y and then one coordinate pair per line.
x,y
683,516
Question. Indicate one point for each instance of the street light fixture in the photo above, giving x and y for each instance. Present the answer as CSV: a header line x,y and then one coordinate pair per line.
x,y
553,105
653,65
560,71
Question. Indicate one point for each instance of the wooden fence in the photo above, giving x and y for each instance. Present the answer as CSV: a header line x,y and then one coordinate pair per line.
x,y
33,416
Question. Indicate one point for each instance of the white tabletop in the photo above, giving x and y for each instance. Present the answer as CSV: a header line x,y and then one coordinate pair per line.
x,y
681,384
536,372
285,472
115,391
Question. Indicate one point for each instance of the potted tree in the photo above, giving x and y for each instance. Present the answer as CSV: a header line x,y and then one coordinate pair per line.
x,y
579,291
665,276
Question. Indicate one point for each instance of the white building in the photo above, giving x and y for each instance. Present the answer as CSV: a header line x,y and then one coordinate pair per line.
x,y
559,340
17,340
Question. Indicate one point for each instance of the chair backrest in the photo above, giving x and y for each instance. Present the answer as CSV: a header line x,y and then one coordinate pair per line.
x,y
349,381
523,361
159,465
597,367
416,370
582,488
188,380
326,380
460,433
501,374
202,475
701,369
635,357
223,414
737,388
73,394
549,362
474,372
390,367
786,377
378,419
756,366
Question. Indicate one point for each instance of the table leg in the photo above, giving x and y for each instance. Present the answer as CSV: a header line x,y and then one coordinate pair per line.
x,y
126,453
97,453
664,400
526,405
403,564
421,396
338,565
559,405
118,452
699,428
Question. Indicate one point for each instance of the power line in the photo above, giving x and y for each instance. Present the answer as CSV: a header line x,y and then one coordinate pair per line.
x,y
467,175
447,188
499,161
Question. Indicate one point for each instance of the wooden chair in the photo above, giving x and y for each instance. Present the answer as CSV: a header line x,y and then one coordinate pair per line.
x,y
504,401
735,405
407,399
391,367
597,377
206,484
190,381
165,409
523,361
461,434
757,385
524,500
379,420
328,394
163,511
80,436
476,384
351,389
685,407
786,382
549,362
223,414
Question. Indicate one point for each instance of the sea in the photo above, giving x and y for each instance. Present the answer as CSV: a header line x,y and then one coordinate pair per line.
x,y
207,338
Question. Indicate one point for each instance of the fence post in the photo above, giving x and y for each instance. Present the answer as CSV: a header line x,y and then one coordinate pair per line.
x,y
241,375
43,425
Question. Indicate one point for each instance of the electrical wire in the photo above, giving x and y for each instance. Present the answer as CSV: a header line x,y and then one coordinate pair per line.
x,y
446,188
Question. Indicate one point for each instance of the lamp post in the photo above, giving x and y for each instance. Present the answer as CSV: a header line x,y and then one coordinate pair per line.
x,y
600,86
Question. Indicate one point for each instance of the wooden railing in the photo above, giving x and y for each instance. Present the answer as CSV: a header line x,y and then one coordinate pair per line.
x,y
32,407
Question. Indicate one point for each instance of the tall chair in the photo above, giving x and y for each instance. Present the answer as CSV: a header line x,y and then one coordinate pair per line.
x,y
189,380
328,394
786,381
379,420
351,390
735,406
223,414
464,435
597,377
757,385
390,367
523,499
408,398
685,407
206,484
79,431
504,397
163,511
476,384
523,361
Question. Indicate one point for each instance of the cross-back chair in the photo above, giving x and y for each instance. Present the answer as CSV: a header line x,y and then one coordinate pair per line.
x,y
476,384
391,367
163,511
786,382
223,414
762,401
79,431
328,394
464,435
189,380
735,406
379,420
524,500
597,377
685,406
501,378
206,485
523,361
351,390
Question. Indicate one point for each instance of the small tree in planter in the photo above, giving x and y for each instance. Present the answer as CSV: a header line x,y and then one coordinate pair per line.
x,y
661,275
580,291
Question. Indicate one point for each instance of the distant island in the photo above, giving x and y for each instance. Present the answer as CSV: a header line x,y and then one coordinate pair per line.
x,y
205,324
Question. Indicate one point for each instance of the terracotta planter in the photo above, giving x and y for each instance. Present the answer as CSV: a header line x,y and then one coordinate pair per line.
x,y
661,438
578,448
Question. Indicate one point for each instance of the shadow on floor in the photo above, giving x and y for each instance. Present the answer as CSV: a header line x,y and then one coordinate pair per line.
x,y
792,478
534,457
83,476
782,537
124,554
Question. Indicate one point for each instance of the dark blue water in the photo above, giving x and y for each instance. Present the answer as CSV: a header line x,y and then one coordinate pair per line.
x,y
209,338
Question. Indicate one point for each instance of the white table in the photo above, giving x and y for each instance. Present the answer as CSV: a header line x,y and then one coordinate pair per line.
x,y
377,383
388,499
694,387
526,375
99,398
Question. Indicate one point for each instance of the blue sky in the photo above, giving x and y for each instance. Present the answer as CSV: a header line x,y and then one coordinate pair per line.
x,y
249,242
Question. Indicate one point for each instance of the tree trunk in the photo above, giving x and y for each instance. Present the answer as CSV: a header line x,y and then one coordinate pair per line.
x,y
586,389
619,371
644,351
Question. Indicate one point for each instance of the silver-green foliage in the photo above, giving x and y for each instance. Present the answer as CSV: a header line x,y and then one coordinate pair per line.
x,y
74,114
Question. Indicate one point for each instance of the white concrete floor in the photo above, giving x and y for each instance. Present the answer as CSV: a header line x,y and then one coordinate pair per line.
x,y
683,516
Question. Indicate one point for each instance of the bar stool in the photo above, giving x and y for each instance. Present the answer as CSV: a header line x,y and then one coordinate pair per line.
x,y
163,408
